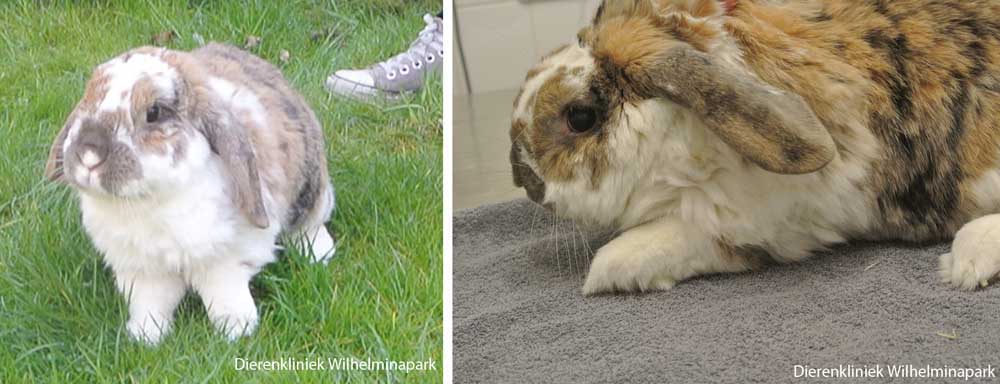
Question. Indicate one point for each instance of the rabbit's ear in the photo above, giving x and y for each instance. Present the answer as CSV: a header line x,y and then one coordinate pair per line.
x,y
54,164
697,8
774,129
632,8
610,9
231,141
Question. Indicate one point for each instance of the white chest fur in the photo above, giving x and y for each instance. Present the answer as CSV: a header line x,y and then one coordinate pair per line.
x,y
193,228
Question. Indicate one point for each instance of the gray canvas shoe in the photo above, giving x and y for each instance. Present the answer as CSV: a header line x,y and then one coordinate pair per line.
x,y
405,72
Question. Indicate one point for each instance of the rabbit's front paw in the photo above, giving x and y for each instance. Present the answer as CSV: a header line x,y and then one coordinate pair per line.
x,y
231,309
152,299
655,256
237,324
613,270
148,330
974,260
225,290
322,245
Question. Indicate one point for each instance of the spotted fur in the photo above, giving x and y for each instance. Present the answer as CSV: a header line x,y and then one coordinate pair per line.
x,y
780,127
189,166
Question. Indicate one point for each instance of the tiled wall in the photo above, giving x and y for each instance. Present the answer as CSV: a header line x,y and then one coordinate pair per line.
x,y
502,39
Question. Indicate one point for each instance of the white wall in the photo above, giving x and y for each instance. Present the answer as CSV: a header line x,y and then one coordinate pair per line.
x,y
502,39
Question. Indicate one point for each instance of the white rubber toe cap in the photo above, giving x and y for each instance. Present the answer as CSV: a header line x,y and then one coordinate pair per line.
x,y
351,83
359,77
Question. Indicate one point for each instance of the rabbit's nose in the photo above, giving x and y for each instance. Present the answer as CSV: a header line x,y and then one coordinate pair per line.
x,y
90,157
93,143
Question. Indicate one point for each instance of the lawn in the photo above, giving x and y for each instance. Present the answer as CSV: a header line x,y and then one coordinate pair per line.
x,y
61,319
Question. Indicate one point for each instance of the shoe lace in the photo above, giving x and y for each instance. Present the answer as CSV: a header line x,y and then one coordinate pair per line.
x,y
429,42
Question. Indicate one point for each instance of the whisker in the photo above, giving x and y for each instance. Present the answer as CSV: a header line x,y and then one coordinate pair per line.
x,y
552,231
519,134
586,243
583,239
573,240
560,239
563,241
534,229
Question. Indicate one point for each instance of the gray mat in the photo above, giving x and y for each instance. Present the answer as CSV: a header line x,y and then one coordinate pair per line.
x,y
519,315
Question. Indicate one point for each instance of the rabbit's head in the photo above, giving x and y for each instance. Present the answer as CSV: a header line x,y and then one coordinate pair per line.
x,y
147,123
651,85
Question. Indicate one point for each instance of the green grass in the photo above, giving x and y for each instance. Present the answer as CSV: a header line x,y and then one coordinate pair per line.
x,y
61,319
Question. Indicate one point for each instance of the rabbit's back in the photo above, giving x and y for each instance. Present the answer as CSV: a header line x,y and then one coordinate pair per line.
x,y
909,88
286,134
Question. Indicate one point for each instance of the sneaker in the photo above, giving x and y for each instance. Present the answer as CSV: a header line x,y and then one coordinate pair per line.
x,y
405,72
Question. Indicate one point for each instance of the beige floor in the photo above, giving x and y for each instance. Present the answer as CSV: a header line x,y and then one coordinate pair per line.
x,y
482,146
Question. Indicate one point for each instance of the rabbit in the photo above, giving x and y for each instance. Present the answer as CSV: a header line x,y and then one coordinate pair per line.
x,y
189,166
717,136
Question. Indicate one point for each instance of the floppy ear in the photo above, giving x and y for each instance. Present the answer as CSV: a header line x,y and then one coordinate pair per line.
x,y
231,141
54,164
774,129
622,8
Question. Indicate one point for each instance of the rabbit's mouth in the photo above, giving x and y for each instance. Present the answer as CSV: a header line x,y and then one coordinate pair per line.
x,y
112,185
525,176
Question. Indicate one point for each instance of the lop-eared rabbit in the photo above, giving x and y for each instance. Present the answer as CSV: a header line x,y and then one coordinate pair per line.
x,y
189,166
717,135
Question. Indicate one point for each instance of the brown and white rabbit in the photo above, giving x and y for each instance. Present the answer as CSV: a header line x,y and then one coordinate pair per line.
x,y
189,165
718,134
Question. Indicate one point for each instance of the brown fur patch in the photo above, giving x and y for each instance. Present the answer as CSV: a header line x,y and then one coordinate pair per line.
x,y
547,135
97,88
699,33
749,257
623,44
143,97
558,151
517,129
623,8
532,73
922,69
696,8
630,42
157,137
524,176
296,175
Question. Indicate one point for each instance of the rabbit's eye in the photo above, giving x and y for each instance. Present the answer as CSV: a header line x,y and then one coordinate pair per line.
x,y
581,119
153,114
